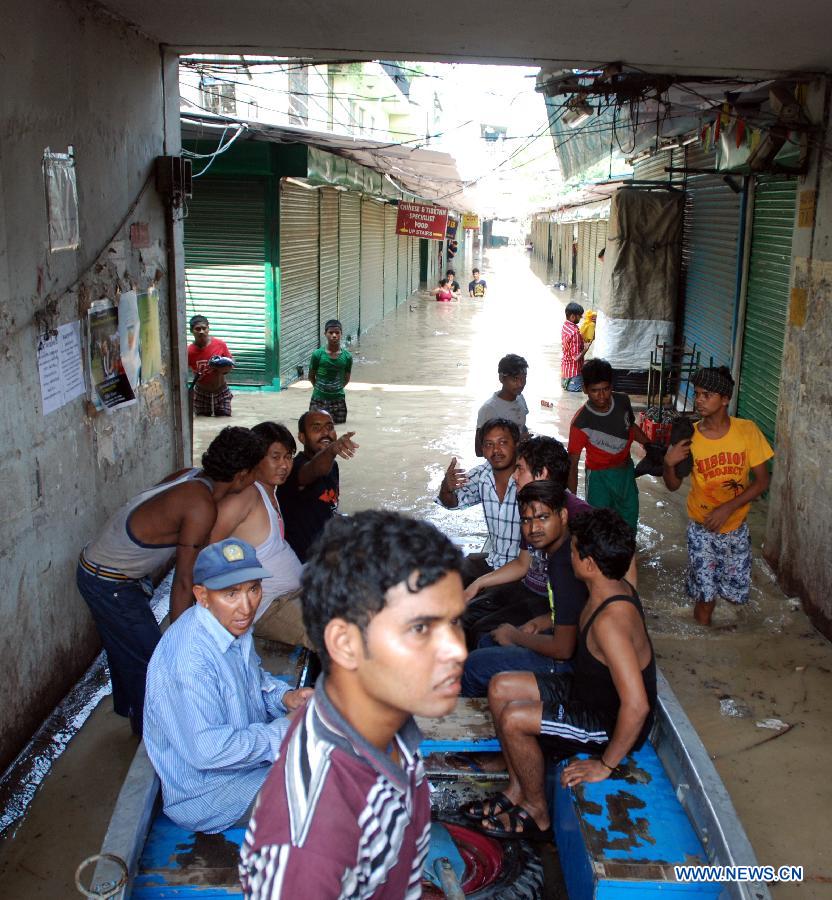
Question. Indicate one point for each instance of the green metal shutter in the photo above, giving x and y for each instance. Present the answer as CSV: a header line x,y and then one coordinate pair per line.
x,y
391,258
349,262
372,263
767,301
403,284
228,275
710,250
299,272
329,254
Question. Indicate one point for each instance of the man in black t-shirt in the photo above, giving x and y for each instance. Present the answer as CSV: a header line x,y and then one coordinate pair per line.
x,y
309,497
544,644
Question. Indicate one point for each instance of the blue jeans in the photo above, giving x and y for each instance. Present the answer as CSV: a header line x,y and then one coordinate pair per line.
x,y
573,384
489,659
129,632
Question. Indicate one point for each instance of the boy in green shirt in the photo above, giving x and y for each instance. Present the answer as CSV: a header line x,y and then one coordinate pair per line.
x,y
329,371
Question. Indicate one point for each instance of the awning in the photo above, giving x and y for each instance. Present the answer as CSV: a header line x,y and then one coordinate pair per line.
x,y
424,174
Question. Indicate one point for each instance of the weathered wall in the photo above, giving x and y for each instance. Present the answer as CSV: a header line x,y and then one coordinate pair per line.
x,y
800,510
71,75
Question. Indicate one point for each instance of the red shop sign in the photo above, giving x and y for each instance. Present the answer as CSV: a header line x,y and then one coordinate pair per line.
x,y
419,220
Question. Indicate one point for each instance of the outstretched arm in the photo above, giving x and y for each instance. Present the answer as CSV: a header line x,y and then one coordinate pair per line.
x,y
322,461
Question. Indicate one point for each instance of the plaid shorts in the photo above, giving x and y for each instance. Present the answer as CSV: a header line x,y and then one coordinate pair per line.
x,y
719,565
336,408
206,404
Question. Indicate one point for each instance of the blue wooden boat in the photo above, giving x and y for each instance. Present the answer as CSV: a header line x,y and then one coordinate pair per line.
x,y
618,838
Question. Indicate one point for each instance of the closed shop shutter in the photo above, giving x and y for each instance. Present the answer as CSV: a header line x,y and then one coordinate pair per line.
x,y
403,289
391,258
299,255
710,250
766,313
349,262
414,264
372,263
329,255
585,251
566,253
593,258
600,244
228,275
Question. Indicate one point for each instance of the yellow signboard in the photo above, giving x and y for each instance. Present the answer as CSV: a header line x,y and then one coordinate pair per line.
x,y
470,220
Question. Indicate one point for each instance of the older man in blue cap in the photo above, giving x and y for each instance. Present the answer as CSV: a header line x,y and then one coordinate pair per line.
x,y
214,718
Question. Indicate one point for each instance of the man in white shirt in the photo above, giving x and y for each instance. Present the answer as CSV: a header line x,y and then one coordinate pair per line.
x,y
508,402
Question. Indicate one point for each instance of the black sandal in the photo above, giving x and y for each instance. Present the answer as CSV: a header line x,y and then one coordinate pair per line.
x,y
474,810
521,827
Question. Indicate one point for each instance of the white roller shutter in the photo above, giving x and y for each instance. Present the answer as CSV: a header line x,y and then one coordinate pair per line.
x,y
299,272
329,255
372,263
391,259
349,262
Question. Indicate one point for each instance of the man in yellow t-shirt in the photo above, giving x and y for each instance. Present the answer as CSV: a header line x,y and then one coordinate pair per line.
x,y
726,452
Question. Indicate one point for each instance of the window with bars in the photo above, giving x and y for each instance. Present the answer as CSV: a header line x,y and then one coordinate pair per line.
x,y
218,96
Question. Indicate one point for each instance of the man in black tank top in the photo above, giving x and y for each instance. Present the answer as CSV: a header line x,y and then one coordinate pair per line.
x,y
560,715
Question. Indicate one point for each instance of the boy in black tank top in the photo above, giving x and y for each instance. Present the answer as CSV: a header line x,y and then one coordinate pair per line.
x,y
584,711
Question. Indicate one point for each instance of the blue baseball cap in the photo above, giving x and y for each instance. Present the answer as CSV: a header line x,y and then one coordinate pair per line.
x,y
227,562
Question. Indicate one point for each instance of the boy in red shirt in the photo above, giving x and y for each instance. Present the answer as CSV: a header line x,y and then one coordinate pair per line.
x,y
605,427
574,349
210,359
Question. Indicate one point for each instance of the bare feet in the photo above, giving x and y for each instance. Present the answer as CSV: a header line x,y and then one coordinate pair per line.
x,y
702,612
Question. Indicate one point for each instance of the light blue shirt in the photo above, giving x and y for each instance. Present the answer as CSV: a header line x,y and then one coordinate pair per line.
x,y
213,721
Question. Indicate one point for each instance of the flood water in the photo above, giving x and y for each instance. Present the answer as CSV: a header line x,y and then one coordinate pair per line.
x,y
418,380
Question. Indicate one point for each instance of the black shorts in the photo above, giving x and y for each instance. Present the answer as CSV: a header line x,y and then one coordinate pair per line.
x,y
569,726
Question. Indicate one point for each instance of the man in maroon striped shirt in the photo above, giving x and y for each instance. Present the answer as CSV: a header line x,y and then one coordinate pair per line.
x,y
345,810
574,349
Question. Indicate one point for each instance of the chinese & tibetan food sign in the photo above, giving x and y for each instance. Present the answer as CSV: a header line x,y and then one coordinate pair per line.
x,y
419,220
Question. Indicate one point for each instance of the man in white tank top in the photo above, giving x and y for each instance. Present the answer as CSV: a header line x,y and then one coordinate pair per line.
x,y
165,525
253,515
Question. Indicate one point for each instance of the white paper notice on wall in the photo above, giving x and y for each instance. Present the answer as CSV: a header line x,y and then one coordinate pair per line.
x,y
60,367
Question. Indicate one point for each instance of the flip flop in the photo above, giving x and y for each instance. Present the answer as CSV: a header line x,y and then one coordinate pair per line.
x,y
475,812
522,827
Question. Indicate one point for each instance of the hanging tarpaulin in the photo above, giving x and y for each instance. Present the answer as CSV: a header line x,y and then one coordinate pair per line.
x,y
61,199
640,276
420,220
470,221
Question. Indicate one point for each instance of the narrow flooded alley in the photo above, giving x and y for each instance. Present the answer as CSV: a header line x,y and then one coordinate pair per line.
x,y
757,685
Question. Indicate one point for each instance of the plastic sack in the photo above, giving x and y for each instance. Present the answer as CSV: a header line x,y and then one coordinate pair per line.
x,y
587,325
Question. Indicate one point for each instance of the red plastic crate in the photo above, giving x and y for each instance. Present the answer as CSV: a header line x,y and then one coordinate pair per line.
x,y
655,431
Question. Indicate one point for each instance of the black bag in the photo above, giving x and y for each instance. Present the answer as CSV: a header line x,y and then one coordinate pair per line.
x,y
681,429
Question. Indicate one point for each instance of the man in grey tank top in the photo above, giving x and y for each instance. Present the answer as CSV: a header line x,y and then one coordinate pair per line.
x,y
165,525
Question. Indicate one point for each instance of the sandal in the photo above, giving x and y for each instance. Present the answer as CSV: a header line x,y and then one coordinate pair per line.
x,y
475,810
521,826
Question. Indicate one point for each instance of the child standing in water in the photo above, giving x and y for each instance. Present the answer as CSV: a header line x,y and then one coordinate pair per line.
x,y
729,471
329,371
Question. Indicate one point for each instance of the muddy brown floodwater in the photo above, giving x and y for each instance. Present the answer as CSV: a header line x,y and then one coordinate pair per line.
x,y
418,380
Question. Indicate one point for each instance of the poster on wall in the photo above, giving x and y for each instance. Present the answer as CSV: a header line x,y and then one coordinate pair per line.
x,y
420,220
109,383
60,368
453,224
150,334
128,337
